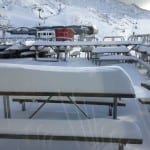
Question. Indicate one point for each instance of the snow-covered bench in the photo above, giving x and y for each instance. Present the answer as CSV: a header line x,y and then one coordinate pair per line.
x,y
100,51
59,99
89,130
111,49
118,58
146,84
37,80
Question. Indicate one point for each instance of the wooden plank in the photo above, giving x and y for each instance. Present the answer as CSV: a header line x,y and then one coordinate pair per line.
x,y
97,130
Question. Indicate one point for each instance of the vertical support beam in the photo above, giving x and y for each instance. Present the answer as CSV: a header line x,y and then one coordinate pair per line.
x,y
23,104
58,52
66,51
5,106
36,52
7,112
121,146
115,108
110,110
88,55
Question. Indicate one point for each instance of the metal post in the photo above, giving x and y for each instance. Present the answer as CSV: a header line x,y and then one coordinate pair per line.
x,y
7,112
110,110
121,146
115,108
36,52
23,106
5,106
65,53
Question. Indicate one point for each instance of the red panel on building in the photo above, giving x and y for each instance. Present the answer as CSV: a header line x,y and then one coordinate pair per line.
x,y
64,34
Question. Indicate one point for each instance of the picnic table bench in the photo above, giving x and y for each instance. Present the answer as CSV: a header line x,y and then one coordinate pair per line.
x,y
117,58
144,51
88,130
101,51
111,49
146,84
107,101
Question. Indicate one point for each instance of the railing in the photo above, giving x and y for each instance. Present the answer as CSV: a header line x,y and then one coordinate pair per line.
x,y
144,38
113,38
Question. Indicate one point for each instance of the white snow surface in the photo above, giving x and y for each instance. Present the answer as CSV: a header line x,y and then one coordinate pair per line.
x,y
111,18
134,112
32,78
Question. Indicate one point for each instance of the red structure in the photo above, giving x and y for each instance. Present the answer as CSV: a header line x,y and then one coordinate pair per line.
x,y
64,34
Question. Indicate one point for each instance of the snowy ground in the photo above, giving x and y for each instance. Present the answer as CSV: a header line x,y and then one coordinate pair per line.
x,y
111,18
133,112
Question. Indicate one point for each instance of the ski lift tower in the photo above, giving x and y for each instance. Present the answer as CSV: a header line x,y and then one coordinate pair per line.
x,y
134,27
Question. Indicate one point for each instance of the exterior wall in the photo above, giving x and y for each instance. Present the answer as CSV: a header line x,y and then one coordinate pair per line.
x,y
64,34
49,35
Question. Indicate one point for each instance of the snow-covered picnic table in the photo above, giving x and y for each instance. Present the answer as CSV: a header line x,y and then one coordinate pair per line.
x,y
36,80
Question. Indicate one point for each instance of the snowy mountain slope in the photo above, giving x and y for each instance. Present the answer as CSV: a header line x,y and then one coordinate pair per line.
x,y
110,16
110,6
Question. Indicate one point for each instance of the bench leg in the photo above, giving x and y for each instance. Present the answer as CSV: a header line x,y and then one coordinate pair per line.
x,y
7,112
121,147
110,110
23,104
115,108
